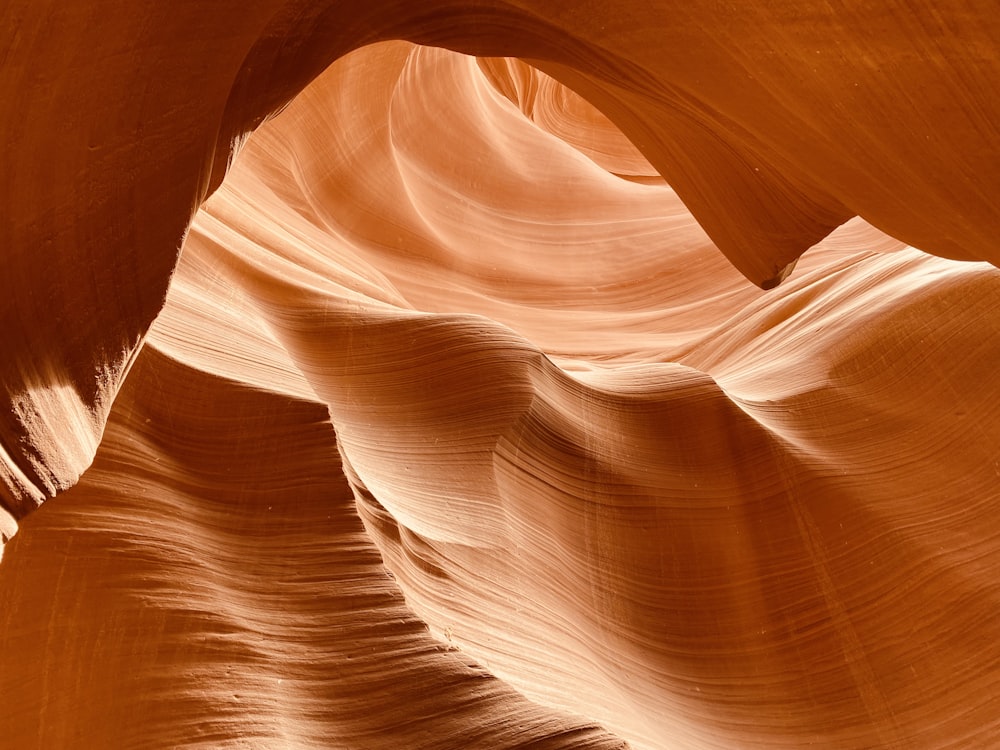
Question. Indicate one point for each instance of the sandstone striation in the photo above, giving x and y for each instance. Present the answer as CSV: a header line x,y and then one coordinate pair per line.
x,y
405,377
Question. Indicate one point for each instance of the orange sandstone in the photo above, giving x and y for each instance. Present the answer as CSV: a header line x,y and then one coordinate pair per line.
x,y
438,411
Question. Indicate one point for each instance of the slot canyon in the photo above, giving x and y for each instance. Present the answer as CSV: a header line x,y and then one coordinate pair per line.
x,y
500,374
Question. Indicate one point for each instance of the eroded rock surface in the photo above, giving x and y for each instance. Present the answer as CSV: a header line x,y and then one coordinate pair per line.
x,y
453,346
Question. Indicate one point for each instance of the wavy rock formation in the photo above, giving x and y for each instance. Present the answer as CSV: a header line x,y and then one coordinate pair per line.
x,y
430,415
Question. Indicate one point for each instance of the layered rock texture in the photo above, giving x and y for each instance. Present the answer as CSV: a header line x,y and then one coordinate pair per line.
x,y
445,375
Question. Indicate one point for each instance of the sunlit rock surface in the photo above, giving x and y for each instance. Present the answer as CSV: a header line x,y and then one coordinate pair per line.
x,y
456,421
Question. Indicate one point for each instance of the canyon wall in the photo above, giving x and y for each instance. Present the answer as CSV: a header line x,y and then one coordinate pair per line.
x,y
499,374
